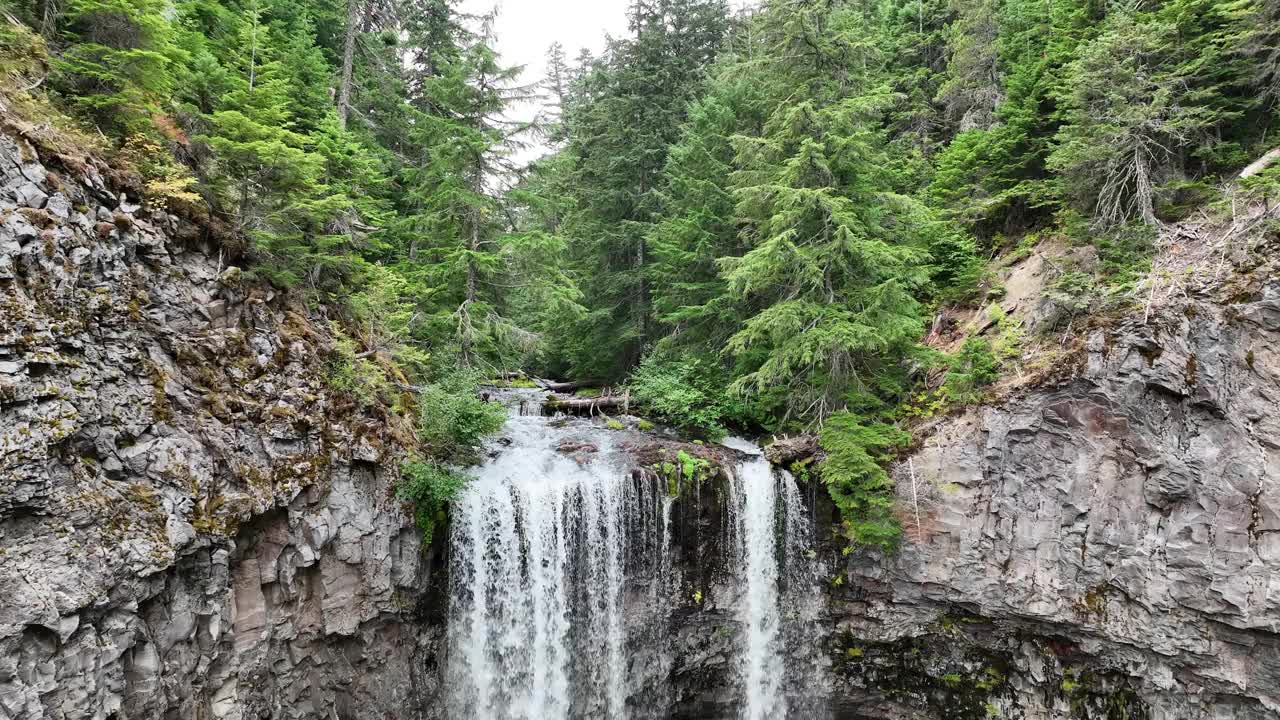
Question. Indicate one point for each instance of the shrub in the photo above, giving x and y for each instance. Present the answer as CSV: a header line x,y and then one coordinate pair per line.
x,y
690,394
856,480
430,487
453,421
971,369
349,373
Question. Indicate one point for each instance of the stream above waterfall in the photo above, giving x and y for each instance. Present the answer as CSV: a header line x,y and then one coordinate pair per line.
x,y
564,593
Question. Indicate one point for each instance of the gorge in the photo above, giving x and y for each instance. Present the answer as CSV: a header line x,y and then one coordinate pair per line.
x,y
910,360
164,557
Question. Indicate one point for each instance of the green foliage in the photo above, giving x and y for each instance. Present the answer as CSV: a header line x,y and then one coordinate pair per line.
x,y
359,376
688,393
1130,112
972,368
118,64
756,214
622,114
1125,254
430,488
1073,291
687,471
856,479
453,419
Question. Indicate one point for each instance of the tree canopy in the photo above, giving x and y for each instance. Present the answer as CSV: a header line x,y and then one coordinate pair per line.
x,y
750,216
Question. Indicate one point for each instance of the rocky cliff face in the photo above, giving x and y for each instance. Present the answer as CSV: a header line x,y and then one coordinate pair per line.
x,y
1108,547
192,523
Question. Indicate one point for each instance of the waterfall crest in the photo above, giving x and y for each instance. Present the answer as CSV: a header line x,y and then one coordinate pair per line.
x,y
562,586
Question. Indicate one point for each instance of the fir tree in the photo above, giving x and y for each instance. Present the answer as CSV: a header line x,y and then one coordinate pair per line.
x,y
456,219
117,66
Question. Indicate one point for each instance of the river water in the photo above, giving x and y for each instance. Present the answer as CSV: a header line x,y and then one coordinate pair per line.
x,y
561,584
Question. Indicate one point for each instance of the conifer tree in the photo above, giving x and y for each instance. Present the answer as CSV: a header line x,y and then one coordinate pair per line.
x,y
1127,114
117,66
697,224
629,114
831,267
457,215
829,276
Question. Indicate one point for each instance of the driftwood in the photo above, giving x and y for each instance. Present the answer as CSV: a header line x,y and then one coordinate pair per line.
x,y
587,406
791,449
566,387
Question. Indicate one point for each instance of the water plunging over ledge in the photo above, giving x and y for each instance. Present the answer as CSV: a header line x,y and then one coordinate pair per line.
x,y
561,581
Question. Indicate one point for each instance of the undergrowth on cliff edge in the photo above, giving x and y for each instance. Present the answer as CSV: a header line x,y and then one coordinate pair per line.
x,y
453,422
689,393
854,474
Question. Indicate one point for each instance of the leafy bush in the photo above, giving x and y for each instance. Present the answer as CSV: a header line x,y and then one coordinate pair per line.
x,y
856,479
956,270
453,421
689,393
1073,292
430,487
1125,253
349,373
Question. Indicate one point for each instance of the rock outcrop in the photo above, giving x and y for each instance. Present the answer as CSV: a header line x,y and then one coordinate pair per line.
x,y
193,524
1105,548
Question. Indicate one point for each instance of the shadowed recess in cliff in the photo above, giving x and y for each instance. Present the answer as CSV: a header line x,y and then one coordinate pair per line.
x,y
561,582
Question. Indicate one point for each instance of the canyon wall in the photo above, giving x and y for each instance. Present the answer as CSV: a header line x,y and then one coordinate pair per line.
x,y
1104,546
192,523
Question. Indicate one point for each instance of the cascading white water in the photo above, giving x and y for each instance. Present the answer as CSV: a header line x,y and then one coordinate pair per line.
x,y
753,500
540,546
560,581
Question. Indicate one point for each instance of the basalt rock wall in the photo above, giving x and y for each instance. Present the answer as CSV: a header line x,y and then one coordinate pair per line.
x,y
193,524
1105,547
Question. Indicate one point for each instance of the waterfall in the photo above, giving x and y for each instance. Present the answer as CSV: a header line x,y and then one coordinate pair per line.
x,y
561,581
760,660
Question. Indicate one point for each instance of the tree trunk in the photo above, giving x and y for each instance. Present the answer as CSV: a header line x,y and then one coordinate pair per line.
x,y
587,406
568,387
348,60
1260,164
474,245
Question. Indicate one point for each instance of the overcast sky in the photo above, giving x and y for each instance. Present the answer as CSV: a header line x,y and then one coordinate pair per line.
x,y
526,28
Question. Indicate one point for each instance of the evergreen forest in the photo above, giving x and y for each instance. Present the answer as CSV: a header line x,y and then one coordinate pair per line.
x,y
751,221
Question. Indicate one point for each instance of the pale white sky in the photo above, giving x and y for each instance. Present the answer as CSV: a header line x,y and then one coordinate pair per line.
x,y
527,28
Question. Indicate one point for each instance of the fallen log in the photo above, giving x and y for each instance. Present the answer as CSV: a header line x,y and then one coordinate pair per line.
x,y
785,451
1260,164
566,387
586,406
